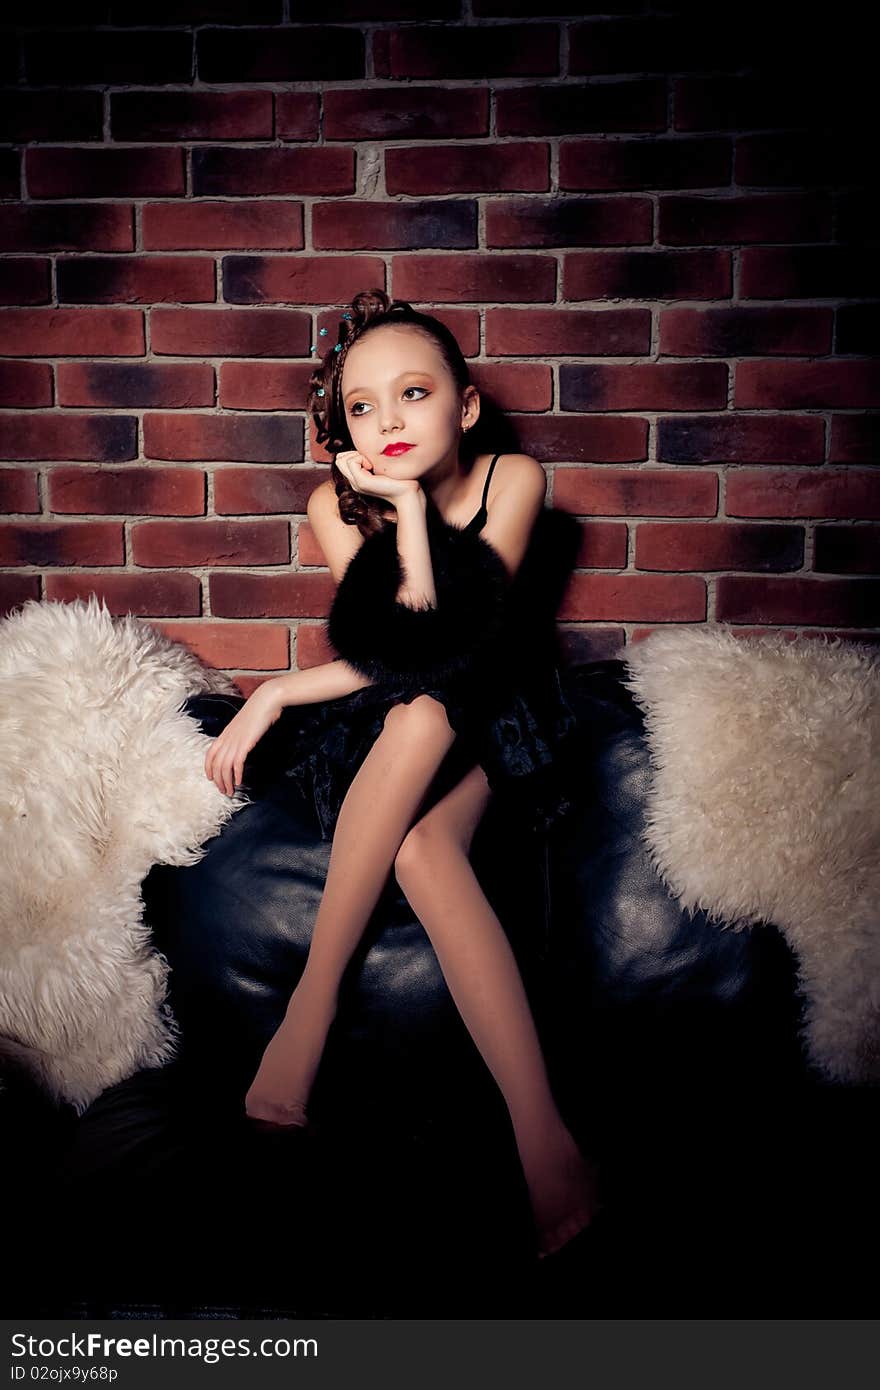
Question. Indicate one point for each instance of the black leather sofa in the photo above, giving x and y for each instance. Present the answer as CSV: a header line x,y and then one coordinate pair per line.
x,y
735,1181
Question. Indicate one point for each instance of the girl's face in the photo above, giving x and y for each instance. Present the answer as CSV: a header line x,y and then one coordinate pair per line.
x,y
397,388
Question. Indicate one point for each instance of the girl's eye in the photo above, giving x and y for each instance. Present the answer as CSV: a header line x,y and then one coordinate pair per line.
x,y
354,407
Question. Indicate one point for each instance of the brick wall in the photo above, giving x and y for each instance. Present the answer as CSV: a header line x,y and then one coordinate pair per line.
x,y
653,229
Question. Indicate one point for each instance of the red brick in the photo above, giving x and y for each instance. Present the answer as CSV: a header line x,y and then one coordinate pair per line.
x,y
660,598
61,543
223,226
312,646
60,115
137,491
652,43
144,595
136,279
643,164
570,107
310,52
17,589
178,543
602,545
803,159
135,384
736,438
191,115
56,172
298,279
857,210
515,385
255,646
25,383
447,222
647,275
257,439
105,56
858,328
477,277
737,103
844,602
809,272
298,115
641,492
264,385
733,221
72,332
406,113
24,280
569,222
66,227
464,50
850,383
308,551
227,332
262,491
288,595
846,549
583,438
57,435
567,332
643,386
10,173
791,492
718,545
467,168
740,332
855,439
322,171
18,490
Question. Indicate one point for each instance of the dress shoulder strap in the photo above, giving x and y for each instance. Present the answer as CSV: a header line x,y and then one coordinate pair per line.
x,y
482,514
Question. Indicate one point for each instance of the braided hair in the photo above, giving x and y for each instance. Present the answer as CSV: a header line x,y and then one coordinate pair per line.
x,y
370,309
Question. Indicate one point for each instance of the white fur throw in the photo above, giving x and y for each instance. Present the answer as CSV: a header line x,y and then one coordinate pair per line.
x,y
101,776
765,807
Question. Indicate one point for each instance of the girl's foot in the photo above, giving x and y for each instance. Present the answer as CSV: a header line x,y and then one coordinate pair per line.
x,y
563,1189
275,1095
280,1089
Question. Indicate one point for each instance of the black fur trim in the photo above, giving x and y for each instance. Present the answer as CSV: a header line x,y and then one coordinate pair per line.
x,y
384,639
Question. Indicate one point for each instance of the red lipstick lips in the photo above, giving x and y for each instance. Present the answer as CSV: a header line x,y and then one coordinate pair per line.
x,y
398,448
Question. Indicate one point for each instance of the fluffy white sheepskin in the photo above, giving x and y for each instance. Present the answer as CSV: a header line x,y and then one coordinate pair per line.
x,y
101,776
765,806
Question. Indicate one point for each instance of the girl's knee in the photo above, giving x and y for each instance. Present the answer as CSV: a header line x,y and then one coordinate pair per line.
x,y
423,715
427,841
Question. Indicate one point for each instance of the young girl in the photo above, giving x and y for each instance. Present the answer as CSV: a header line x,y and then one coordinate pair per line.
x,y
423,550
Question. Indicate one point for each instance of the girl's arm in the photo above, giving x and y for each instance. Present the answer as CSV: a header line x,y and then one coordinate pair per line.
x,y
417,589
515,508
325,682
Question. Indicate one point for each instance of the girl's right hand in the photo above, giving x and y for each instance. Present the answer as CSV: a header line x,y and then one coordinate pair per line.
x,y
359,471
224,760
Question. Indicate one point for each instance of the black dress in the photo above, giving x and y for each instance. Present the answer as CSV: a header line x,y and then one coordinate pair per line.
x,y
510,716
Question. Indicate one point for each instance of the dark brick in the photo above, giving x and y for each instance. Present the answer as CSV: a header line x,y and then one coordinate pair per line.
x,y
736,438
74,57
310,53
449,223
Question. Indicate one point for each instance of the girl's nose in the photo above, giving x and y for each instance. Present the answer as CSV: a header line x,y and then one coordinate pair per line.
x,y
389,416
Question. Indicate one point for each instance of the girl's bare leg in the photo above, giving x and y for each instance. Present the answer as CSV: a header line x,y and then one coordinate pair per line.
x,y
377,811
434,871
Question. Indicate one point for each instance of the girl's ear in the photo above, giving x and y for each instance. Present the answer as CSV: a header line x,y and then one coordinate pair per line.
x,y
470,407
